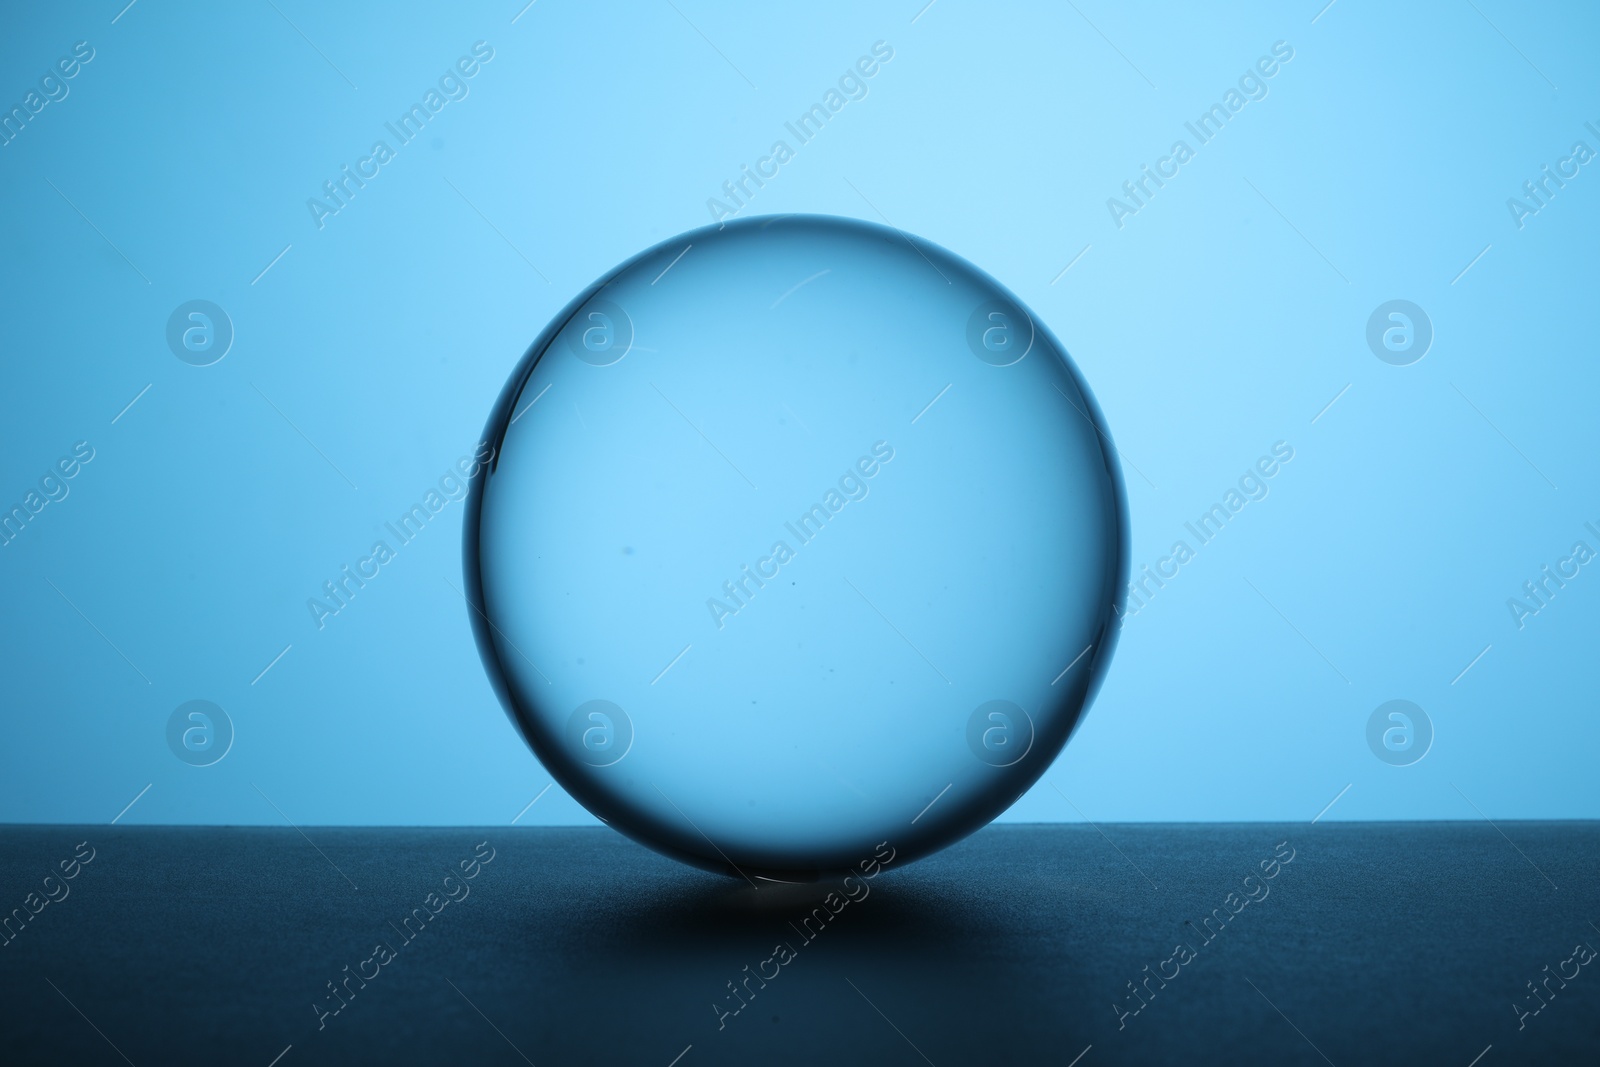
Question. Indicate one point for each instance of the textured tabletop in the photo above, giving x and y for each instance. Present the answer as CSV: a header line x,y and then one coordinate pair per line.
x,y
1333,943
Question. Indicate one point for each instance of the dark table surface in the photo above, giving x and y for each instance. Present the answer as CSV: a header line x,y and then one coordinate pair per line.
x,y
1375,943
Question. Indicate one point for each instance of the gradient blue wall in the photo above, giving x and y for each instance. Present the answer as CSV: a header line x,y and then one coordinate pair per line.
x,y
1220,318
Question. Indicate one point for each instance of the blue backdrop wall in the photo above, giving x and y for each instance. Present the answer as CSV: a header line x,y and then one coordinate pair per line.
x,y
1216,212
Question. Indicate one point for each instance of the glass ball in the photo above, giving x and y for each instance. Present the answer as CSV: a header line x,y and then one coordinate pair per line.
x,y
802,540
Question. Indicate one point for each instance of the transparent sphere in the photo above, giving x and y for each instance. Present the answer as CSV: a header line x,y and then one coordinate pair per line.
x,y
801,537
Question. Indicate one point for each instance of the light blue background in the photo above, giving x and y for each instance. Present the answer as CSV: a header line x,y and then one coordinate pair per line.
x,y
1220,319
